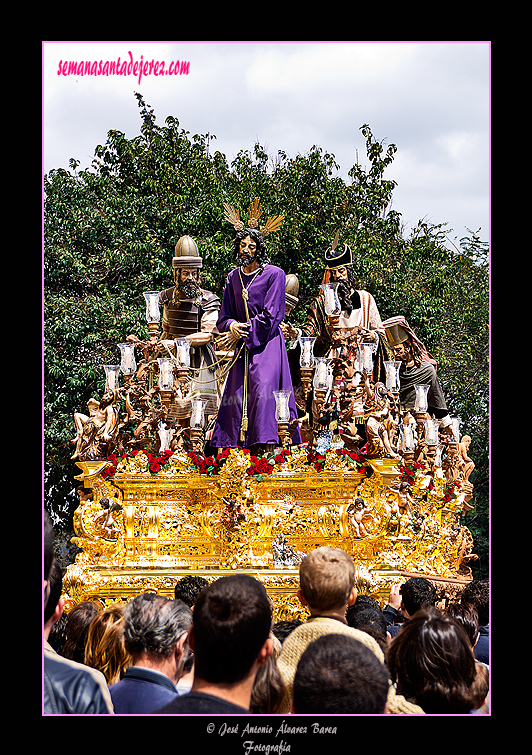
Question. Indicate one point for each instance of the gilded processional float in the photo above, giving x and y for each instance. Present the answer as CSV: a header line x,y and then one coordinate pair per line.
x,y
227,439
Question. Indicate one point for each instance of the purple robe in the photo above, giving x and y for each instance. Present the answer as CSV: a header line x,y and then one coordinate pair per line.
x,y
268,361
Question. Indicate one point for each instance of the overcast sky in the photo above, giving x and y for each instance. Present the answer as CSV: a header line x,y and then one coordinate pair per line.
x,y
430,99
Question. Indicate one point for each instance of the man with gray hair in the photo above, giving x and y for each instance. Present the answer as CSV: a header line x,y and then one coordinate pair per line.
x,y
155,635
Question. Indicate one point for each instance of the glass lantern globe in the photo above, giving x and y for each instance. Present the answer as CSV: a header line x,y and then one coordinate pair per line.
x,y
282,408
306,359
112,372
166,374
421,404
333,308
153,313
182,347
128,365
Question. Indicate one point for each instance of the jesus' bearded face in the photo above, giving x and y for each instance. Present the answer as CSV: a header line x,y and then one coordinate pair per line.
x,y
247,251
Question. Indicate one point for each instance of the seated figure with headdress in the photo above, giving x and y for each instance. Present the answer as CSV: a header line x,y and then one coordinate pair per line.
x,y
418,367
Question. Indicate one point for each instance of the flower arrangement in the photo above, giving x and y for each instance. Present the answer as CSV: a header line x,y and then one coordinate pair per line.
x,y
257,467
145,461
408,473
411,474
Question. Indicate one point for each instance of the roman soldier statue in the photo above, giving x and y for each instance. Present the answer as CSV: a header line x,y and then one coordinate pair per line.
x,y
190,313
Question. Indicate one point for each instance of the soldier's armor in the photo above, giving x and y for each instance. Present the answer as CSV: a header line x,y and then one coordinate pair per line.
x,y
183,317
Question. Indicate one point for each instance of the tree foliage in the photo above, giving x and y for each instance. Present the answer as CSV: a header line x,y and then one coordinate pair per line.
x,y
110,232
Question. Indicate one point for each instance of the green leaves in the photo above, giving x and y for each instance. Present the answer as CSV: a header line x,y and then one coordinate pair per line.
x,y
110,233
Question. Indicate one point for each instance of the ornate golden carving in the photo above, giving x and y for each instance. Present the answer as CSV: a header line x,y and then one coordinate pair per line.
x,y
141,529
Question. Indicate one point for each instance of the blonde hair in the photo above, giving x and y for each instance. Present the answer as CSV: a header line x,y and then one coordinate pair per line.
x,y
105,649
326,578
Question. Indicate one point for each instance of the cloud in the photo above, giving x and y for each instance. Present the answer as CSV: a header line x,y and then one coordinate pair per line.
x,y
430,99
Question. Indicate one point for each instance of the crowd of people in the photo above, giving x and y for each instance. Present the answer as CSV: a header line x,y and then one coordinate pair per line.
x,y
215,648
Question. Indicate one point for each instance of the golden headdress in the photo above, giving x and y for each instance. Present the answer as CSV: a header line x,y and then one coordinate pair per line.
x,y
254,212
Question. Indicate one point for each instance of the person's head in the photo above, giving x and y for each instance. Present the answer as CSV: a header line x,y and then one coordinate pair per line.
x,y
57,633
477,593
466,615
365,601
338,674
55,581
78,622
230,629
282,628
105,648
432,663
156,629
340,273
188,588
153,624
326,580
187,281
480,687
366,616
53,608
269,692
109,397
402,352
416,593
187,264
249,246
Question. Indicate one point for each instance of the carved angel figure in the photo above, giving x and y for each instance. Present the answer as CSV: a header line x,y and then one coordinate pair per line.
x,y
404,499
380,425
359,509
97,431
105,518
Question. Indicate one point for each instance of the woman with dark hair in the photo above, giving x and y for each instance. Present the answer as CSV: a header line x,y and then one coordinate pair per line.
x,y
78,622
467,616
432,663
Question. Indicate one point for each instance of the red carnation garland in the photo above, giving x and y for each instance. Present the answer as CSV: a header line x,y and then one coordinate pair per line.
x,y
211,465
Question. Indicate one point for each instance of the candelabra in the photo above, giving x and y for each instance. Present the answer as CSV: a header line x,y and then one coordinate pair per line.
x,y
322,381
431,438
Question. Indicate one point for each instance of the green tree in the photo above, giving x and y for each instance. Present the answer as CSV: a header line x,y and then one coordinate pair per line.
x,y
110,232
